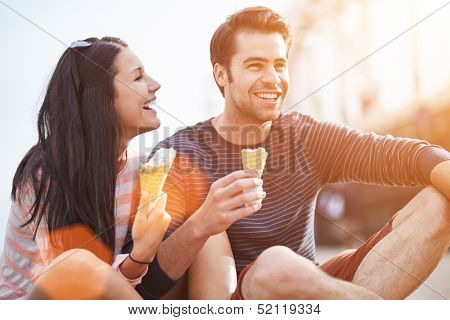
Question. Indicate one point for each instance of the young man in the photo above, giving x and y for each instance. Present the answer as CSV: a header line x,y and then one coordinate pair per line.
x,y
274,248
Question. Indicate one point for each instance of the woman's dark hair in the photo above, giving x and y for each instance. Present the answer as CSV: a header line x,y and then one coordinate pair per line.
x,y
72,169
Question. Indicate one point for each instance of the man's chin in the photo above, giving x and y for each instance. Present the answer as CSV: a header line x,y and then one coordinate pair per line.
x,y
270,116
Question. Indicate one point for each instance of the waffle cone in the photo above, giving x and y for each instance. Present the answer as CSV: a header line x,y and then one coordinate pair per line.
x,y
254,159
153,177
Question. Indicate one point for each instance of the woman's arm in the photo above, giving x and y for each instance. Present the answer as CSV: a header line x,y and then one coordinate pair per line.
x,y
150,224
213,273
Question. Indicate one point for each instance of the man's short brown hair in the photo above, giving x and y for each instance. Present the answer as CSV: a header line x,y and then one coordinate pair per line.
x,y
260,19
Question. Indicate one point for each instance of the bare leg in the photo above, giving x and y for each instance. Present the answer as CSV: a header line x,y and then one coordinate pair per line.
x,y
213,273
410,252
79,274
280,273
406,256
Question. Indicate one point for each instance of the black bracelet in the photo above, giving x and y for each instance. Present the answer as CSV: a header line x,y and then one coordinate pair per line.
x,y
140,262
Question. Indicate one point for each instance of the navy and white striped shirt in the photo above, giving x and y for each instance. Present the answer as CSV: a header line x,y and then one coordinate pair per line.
x,y
304,155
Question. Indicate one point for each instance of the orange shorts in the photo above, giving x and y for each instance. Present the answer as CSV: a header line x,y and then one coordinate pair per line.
x,y
342,266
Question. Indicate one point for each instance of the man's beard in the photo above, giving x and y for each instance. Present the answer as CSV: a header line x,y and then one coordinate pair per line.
x,y
262,115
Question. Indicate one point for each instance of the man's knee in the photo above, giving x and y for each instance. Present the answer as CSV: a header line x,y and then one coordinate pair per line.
x,y
432,209
279,272
273,265
440,210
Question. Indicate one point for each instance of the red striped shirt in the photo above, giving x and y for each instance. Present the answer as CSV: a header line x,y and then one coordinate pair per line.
x,y
24,259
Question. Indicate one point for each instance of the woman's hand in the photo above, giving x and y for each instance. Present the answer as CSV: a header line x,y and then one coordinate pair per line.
x,y
150,225
226,202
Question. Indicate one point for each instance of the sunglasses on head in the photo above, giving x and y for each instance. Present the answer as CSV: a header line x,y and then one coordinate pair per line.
x,y
80,44
75,74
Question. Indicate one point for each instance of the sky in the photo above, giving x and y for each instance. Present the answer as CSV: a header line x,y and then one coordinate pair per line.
x,y
171,38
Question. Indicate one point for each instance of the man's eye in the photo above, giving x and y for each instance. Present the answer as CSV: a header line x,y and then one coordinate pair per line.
x,y
139,77
281,67
254,66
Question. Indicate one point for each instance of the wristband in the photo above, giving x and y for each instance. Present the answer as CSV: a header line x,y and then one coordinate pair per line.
x,y
156,282
136,261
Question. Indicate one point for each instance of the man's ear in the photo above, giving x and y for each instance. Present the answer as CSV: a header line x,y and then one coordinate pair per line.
x,y
220,74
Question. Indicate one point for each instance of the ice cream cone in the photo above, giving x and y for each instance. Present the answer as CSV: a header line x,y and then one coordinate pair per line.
x,y
153,174
254,159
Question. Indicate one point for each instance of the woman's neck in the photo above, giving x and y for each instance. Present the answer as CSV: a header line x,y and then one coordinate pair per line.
x,y
122,158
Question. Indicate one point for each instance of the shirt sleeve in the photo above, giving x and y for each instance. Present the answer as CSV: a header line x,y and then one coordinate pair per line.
x,y
22,210
23,258
343,154
430,158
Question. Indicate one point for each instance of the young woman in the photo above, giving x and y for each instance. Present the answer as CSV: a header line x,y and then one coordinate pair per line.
x,y
78,188
76,192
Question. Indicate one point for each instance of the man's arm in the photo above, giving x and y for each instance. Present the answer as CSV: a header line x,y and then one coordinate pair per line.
x,y
224,205
440,178
343,154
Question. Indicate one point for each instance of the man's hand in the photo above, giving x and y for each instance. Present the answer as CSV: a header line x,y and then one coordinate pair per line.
x,y
225,202
440,178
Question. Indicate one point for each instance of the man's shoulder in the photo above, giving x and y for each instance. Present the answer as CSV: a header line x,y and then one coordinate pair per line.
x,y
295,120
188,137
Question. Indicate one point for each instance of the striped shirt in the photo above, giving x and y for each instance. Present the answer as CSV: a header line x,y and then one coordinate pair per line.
x,y
304,155
24,259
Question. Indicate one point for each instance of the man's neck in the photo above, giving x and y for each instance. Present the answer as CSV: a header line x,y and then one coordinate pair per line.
x,y
239,130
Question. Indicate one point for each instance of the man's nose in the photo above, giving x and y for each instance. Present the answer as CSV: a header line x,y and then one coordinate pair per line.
x,y
271,76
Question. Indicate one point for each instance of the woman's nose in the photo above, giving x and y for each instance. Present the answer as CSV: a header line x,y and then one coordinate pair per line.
x,y
153,85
